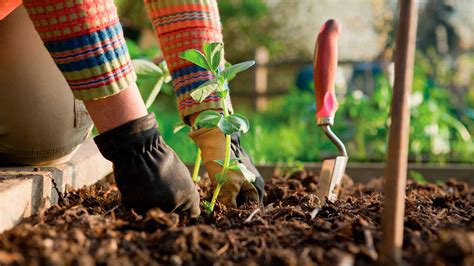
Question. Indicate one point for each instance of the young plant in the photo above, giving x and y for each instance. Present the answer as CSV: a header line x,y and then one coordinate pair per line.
x,y
228,124
150,78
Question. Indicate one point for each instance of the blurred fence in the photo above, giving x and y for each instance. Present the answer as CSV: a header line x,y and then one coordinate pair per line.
x,y
262,88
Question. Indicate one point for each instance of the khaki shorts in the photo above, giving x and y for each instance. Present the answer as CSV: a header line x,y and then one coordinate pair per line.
x,y
40,120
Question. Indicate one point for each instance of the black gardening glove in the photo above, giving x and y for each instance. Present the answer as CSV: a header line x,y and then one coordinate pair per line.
x,y
147,171
259,183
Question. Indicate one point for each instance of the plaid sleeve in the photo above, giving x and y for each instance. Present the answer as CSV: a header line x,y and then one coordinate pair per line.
x,y
85,39
181,25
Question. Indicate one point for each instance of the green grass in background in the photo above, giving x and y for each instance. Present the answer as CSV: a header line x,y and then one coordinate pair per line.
x,y
440,131
287,132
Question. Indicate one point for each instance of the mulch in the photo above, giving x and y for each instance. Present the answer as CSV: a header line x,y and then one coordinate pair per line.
x,y
90,227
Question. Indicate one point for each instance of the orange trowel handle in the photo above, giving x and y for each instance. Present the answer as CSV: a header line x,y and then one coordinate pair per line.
x,y
325,65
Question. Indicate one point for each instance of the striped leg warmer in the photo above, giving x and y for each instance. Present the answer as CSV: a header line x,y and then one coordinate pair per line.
x,y
181,25
85,39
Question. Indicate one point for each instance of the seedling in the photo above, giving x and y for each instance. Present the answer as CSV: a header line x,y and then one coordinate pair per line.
x,y
228,124
150,78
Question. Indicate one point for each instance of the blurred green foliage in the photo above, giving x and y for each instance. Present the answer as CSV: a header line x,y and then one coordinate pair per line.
x,y
442,120
441,127
438,133
287,131
245,28
417,176
242,20
137,52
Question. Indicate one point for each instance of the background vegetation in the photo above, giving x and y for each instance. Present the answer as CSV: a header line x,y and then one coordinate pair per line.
x,y
442,103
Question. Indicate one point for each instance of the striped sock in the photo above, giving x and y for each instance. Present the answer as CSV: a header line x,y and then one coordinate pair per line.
x,y
85,39
181,25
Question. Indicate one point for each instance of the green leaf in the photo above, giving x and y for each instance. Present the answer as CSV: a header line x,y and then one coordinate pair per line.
x,y
233,161
249,176
146,86
222,81
234,167
234,123
178,126
221,179
230,72
207,206
227,64
166,71
196,57
418,177
456,124
154,93
222,94
213,53
227,127
208,119
146,69
133,49
240,122
201,93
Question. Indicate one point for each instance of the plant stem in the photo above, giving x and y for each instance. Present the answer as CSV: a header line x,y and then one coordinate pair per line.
x,y
224,107
225,167
154,93
197,165
214,196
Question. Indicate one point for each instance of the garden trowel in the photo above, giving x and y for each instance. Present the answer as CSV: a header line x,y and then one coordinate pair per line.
x,y
326,106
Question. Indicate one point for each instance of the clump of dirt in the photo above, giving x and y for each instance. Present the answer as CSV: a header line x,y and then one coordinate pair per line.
x,y
91,227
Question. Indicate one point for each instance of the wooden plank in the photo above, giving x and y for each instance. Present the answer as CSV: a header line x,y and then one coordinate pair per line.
x,y
365,172
26,190
298,62
397,157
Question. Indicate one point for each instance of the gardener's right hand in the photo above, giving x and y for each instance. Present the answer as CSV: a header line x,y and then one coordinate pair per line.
x,y
147,171
237,190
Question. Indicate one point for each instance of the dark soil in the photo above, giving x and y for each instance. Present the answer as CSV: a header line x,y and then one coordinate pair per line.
x,y
90,227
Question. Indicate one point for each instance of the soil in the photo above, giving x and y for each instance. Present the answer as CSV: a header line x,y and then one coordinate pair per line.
x,y
90,227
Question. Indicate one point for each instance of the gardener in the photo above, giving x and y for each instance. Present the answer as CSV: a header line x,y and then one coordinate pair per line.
x,y
41,122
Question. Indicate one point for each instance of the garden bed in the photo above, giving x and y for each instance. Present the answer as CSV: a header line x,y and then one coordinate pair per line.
x,y
90,226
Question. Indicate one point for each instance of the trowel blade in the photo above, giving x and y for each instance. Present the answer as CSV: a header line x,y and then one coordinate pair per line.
x,y
330,178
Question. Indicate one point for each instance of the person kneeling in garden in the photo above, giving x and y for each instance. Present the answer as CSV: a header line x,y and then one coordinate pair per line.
x,y
85,40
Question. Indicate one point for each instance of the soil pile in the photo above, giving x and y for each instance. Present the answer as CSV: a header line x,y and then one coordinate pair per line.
x,y
90,227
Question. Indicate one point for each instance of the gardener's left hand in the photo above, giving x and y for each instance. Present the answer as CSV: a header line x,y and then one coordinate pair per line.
x,y
148,172
237,190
